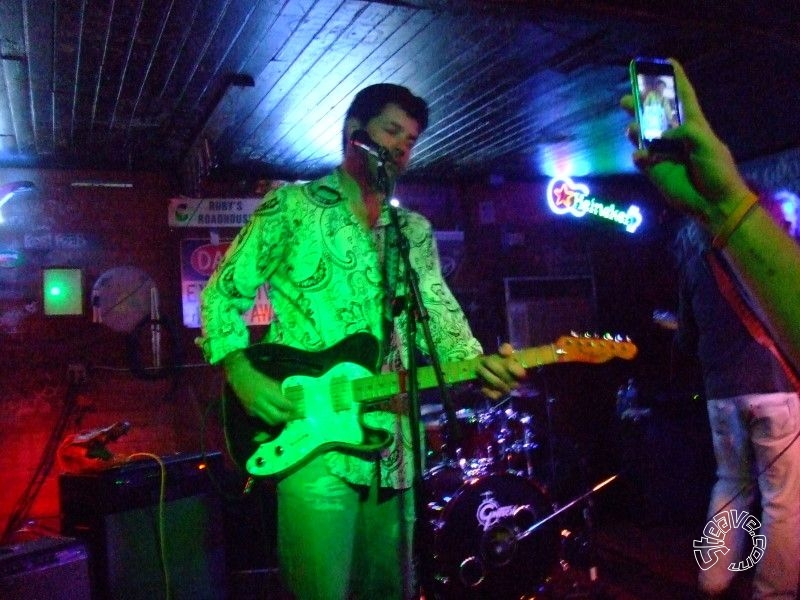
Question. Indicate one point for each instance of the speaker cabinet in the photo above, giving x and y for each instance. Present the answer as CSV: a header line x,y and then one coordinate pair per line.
x,y
139,547
45,569
541,309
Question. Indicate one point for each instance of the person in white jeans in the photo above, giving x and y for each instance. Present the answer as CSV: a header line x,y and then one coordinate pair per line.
x,y
754,414
756,447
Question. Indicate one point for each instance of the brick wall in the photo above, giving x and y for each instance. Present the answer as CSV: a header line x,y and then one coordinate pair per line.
x,y
95,229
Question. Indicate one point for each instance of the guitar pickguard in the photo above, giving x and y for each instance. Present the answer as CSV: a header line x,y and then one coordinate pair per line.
x,y
319,383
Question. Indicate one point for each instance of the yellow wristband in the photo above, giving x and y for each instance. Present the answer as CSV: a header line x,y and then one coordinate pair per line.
x,y
733,221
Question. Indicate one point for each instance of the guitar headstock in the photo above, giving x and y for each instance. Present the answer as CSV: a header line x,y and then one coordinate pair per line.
x,y
593,348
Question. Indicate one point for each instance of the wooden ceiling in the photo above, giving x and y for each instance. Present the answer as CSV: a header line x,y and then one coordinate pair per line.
x,y
517,89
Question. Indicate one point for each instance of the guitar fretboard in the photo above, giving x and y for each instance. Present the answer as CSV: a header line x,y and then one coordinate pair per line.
x,y
342,391
388,384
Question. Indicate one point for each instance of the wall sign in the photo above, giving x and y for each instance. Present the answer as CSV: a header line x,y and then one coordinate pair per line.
x,y
564,196
211,212
199,258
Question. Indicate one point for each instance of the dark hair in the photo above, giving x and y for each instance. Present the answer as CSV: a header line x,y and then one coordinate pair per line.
x,y
370,101
692,238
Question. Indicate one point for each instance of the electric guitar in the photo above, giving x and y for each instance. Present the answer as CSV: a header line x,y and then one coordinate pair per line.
x,y
330,388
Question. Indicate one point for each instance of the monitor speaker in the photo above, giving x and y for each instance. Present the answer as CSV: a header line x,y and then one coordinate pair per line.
x,y
45,569
140,547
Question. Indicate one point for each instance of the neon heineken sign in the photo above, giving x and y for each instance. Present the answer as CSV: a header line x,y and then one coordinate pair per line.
x,y
564,196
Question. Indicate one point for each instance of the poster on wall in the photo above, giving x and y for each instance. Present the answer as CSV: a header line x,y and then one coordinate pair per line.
x,y
199,258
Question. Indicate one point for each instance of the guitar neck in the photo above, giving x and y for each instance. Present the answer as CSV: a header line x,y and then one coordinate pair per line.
x,y
388,384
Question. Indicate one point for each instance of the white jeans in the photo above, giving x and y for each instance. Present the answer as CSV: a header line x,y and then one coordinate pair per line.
x,y
748,433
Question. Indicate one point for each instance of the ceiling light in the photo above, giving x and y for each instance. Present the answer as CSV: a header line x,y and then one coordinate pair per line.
x,y
9,190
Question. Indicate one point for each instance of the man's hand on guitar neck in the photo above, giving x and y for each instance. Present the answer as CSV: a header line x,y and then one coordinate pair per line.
x,y
259,395
500,373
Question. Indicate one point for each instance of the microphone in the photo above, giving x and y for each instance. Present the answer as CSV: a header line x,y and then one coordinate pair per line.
x,y
364,142
86,451
102,435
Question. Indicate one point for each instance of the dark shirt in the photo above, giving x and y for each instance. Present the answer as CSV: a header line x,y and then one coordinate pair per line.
x,y
733,363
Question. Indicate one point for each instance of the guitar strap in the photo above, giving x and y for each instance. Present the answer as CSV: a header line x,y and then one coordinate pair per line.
x,y
747,315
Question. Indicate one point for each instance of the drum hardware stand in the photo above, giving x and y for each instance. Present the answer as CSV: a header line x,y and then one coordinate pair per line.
x,y
516,537
588,520
551,449
528,445
550,402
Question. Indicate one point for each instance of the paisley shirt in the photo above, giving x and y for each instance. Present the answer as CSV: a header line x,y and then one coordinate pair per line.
x,y
329,277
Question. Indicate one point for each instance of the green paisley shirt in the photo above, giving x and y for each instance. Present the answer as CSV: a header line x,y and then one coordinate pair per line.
x,y
327,279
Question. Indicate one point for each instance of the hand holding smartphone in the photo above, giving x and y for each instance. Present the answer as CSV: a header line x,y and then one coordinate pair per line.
x,y
655,96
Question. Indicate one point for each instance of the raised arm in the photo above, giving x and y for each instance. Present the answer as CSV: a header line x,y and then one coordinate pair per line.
x,y
706,183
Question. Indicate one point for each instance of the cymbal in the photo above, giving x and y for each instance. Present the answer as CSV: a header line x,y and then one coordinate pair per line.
x,y
430,409
525,391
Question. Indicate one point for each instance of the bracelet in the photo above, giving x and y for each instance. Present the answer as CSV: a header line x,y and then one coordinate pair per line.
x,y
733,221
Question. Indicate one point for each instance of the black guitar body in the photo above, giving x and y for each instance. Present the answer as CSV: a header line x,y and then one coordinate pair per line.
x,y
244,433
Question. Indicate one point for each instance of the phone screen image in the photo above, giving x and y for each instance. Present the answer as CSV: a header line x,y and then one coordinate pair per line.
x,y
657,106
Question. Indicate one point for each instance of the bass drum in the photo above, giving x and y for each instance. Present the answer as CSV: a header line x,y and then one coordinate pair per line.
x,y
471,544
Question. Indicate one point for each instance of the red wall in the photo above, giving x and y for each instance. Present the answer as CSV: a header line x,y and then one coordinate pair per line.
x,y
95,229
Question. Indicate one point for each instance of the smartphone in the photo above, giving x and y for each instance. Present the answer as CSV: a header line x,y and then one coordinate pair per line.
x,y
655,95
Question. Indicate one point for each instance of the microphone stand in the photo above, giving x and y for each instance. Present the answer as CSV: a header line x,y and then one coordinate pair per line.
x,y
416,313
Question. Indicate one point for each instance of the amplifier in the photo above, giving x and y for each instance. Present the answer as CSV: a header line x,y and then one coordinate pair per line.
x,y
117,514
47,568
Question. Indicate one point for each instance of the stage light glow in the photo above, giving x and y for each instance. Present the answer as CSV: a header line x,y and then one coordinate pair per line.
x,y
3,200
9,190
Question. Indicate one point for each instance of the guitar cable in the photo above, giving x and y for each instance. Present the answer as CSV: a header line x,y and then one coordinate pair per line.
x,y
161,521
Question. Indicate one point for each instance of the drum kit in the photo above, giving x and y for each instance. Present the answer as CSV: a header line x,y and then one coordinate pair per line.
x,y
490,528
